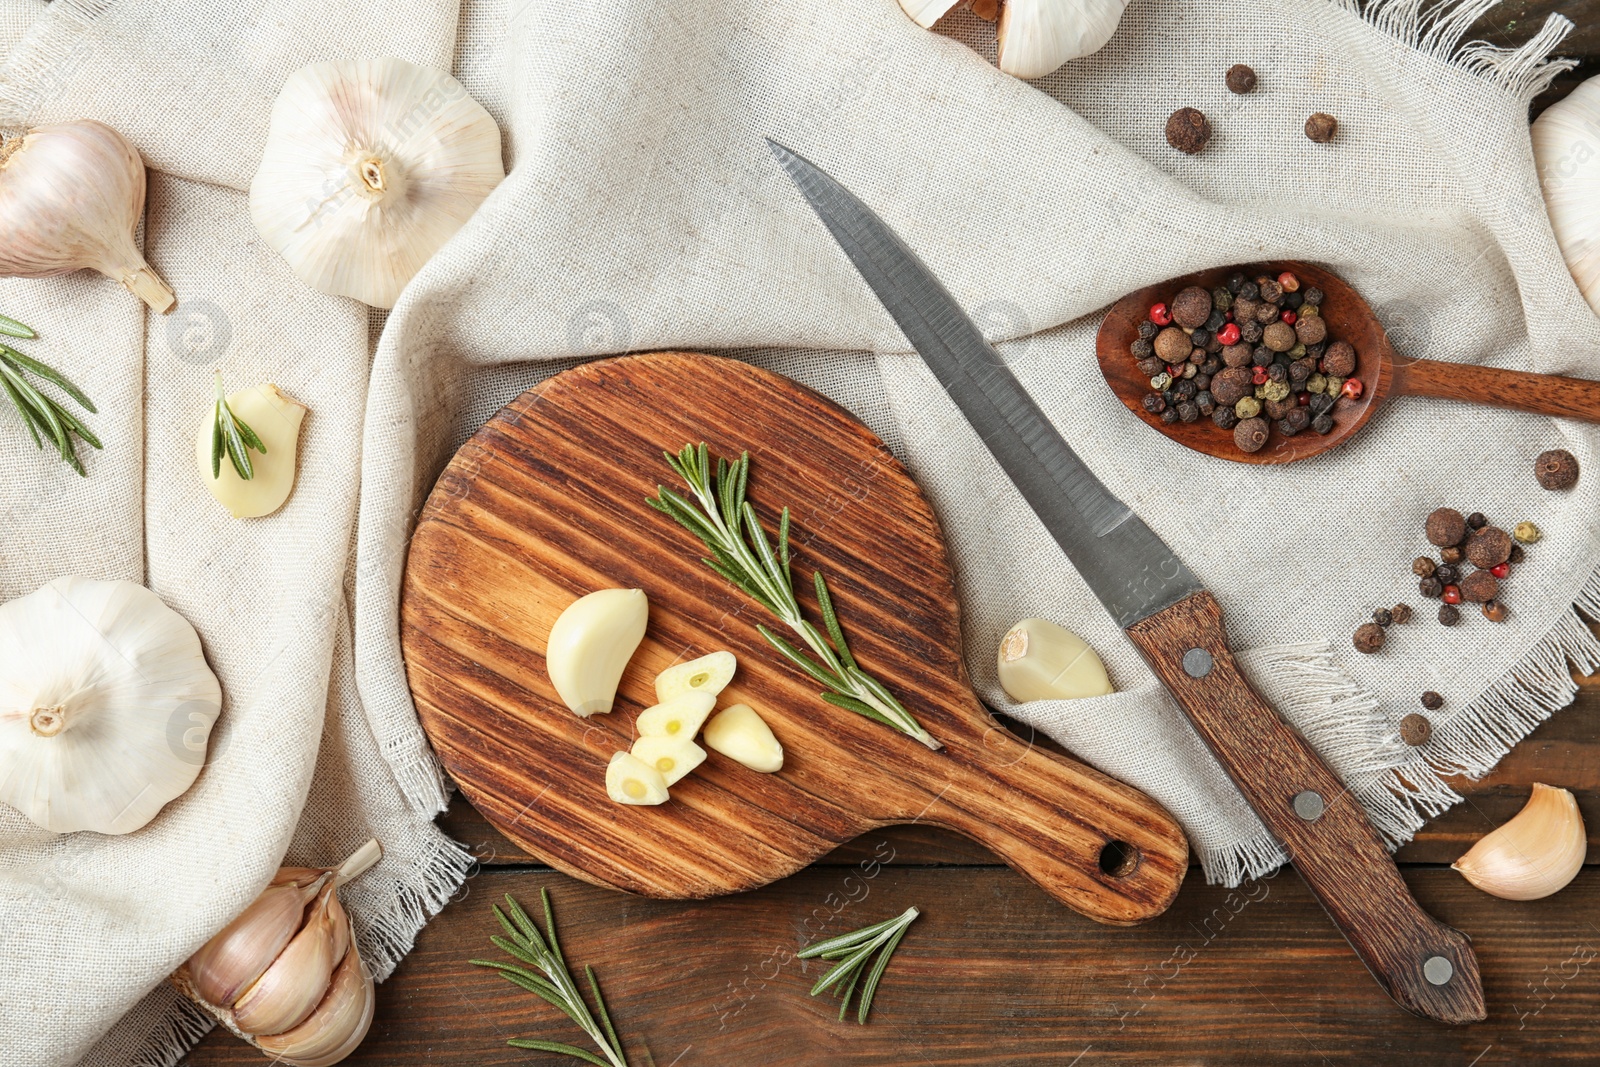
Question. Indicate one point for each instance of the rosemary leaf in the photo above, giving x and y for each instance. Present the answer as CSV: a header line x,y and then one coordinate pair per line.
x,y
557,1047
12,328
22,409
50,374
232,437
831,620
44,417
853,950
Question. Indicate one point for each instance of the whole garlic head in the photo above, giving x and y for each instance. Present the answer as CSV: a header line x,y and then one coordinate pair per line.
x,y
1567,153
106,704
370,166
1035,36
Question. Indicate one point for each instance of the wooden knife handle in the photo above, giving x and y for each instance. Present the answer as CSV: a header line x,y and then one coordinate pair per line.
x,y
1427,967
1542,394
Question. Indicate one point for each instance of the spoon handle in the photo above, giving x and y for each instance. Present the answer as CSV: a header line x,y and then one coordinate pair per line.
x,y
1541,394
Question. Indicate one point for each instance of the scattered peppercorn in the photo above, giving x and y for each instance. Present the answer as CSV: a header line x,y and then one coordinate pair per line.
x,y
1495,611
1451,556
1479,587
1446,573
1188,130
1400,613
1314,296
1240,79
1452,594
1502,570
1368,638
1323,424
1320,127
1415,729
1556,469
1489,547
1432,701
1431,587
1445,527
1527,533
1517,554
1477,521
1448,615
1422,566
1383,616
1154,403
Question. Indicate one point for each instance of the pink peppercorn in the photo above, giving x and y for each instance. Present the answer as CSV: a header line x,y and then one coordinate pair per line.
x,y
1228,335
1502,570
1352,388
1289,318
1161,315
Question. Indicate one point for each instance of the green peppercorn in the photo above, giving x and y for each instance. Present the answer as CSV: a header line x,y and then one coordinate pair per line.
x,y
1310,311
1276,390
1247,407
1299,349
1526,532
1161,381
1316,383
1333,385
1221,299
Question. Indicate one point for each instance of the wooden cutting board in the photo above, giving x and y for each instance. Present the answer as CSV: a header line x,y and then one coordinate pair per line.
x,y
547,502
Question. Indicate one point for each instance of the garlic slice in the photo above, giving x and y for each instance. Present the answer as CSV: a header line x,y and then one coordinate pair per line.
x,y
1037,36
1040,660
232,960
338,1025
708,674
590,646
630,780
674,757
1538,851
680,717
740,734
290,990
276,419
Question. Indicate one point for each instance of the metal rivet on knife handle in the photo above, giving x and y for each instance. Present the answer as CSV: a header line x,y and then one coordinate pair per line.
x,y
1309,806
1197,663
1438,970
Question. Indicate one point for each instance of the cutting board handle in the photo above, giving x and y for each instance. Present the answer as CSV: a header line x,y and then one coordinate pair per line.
x,y
1101,847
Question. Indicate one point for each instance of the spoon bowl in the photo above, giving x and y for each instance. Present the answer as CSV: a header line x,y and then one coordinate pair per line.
x,y
1381,370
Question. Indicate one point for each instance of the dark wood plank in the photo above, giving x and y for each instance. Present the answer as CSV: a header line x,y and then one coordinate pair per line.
x,y
994,972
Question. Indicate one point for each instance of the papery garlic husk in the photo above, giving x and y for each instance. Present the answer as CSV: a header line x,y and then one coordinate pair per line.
x,y
926,12
1037,36
276,419
370,166
339,1024
1538,851
230,962
291,988
71,195
1567,155
590,645
1040,660
106,705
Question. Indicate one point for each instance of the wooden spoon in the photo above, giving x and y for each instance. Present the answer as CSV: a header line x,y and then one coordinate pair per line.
x,y
1383,372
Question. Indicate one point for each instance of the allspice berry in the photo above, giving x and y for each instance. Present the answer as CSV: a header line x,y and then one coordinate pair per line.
x,y
1495,611
1446,527
1400,613
1432,701
1369,637
1188,130
1415,729
1339,360
1423,567
1480,587
1556,469
1489,547
1311,330
1278,336
1191,307
1240,79
1231,385
1320,127
1251,436
1172,345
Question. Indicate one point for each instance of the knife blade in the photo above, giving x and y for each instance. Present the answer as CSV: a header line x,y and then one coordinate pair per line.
x,y
1427,967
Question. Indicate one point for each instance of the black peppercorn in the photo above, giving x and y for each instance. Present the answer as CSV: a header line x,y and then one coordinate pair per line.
x,y
1445,526
1277,372
1315,351
1262,356
1200,337
1432,701
1266,314
1249,291
1154,403
1148,330
1368,638
1142,349
1446,573
1517,555
1299,418
1169,416
1383,616
1198,356
1237,282
1556,469
1313,295
1401,613
1292,301
1323,424
1452,555
1202,382
1415,730
1271,291
1249,331
1477,521
1495,611
1219,317
1431,587
1449,615
1225,418
1212,364
1152,366
1188,411
1322,403
1188,130
1320,127
1422,566
1205,402
1240,79
1185,389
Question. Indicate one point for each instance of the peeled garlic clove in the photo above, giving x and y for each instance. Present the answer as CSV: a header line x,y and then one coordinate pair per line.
x,y
740,734
71,195
679,717
276,419
232,960
1037,36
674,757
1039,660
630,780
1569,171
1534,854
708,674
337,1026
106,705
370,166
290,990
590,646
926,12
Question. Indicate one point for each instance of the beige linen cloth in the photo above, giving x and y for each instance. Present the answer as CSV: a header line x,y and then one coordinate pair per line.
x,y
642,211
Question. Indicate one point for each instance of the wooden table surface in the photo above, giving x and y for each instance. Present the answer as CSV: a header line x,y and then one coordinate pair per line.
x,y
995,972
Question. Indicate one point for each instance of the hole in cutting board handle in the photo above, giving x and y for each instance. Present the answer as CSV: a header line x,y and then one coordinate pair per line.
x,y
1119,859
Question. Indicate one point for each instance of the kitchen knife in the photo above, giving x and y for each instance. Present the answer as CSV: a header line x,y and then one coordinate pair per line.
x,y
1427,967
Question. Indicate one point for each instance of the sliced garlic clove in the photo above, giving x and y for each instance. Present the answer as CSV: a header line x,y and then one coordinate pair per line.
x,y
339,1023
709,674
926,12
590,646
630,780
1039,660
232,960
290,990
740,734
679,717
674,757
1538,851
276,419
1037,36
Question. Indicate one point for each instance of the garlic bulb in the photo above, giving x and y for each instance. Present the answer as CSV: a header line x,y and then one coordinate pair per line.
x,y
71,194
590,645
1568,160
1039,660
1538,851
106,704
709,674
286,977
370,166
1035,36
276,419
742,735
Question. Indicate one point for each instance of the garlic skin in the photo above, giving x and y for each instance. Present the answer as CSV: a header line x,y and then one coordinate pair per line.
x,y
370,166
291,988
679,717
1565,152
739,733
71,195
1538,851
630,780
232,960
1037,36
106,705
1039,660
709,674
926,12
339,1024
674,757
590,645
276,419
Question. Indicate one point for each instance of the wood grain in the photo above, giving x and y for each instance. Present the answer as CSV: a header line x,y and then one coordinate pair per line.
x,y
1541,394
547,502
1334,848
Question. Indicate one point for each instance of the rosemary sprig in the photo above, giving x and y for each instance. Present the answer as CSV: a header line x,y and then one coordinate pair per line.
x,y
524,941
233,436
44,416
852,950
728,525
